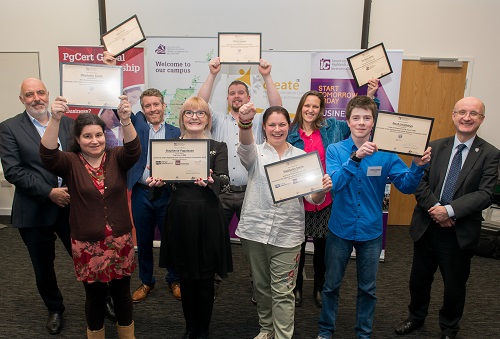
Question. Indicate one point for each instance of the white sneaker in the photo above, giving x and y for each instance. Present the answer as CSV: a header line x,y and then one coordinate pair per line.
x,y
265,335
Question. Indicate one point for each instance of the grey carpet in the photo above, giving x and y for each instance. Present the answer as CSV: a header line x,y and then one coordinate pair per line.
x,y
22,313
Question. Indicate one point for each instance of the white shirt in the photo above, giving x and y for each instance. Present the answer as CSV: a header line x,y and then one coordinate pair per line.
x,y
261,220
225,128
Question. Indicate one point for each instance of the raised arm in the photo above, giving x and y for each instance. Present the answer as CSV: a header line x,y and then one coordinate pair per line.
x,y
206,89
246,115
58,108
272,93
125,112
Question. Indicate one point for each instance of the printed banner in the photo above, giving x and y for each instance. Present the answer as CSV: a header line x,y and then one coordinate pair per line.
x,y
331,75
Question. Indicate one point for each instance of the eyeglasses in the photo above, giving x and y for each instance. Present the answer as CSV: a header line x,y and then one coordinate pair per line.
x,y
199,114
472,114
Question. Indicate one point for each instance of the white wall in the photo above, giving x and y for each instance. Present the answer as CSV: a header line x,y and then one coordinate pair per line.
x,y
448,28
445,28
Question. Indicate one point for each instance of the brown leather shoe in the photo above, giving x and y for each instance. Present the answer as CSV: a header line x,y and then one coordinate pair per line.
x,y
141,293
176,290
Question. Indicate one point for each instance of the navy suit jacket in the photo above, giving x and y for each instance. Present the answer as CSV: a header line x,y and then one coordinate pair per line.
x,y
20,154
142,128
473,192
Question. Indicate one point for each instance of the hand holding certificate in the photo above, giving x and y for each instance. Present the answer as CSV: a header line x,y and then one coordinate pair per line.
x,y
372,63
180,159
240,48
402,133
91,85
295,177
123,37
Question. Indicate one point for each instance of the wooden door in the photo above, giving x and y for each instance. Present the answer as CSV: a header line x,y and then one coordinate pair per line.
x,y
431,91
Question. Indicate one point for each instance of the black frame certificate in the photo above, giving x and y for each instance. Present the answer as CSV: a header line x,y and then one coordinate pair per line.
x,y
180,160
295,177
372,63
402,133
240,48
91,85
123,37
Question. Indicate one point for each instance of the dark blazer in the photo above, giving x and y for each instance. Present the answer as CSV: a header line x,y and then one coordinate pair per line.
x,y
142,128
473,193
19,151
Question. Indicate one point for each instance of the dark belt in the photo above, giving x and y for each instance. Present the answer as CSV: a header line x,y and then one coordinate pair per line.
x,y
154,192
241,188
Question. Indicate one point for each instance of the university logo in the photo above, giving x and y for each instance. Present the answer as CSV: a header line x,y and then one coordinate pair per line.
x,y
161,49
324,64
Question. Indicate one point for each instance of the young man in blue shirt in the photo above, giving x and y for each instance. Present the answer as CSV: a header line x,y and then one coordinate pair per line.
x,y
359,174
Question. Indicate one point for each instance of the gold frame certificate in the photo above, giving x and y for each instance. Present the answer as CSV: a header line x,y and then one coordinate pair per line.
x,y
91,85
295,177
123,37
372,63
402,133
180,159
240,48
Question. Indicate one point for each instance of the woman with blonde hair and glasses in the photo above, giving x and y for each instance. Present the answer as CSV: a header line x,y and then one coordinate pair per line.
x,y
195,240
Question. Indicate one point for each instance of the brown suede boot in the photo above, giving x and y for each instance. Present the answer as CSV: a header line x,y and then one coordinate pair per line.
x,y
99,334
126,332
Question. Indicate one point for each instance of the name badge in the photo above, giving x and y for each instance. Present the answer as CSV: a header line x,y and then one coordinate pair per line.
x,y
374,171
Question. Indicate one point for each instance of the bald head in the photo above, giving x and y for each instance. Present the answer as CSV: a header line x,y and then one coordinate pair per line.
x,y
470,101
35,98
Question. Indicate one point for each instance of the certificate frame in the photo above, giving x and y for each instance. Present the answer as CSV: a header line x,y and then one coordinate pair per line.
x,y
91,85
285,173
179,160
239,48
370,63
402,133
123,36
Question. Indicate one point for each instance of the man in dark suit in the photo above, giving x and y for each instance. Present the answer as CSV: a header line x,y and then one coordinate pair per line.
x,y
40,207
446,222
149,205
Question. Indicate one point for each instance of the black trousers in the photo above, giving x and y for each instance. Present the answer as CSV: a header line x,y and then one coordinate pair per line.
x,y
95,302
197,304
318,264
40,242
439,247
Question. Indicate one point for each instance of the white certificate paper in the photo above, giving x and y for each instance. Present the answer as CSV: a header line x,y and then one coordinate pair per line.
x,y
402,133
295,177
180,159
124,36
240,48
91,85
372,63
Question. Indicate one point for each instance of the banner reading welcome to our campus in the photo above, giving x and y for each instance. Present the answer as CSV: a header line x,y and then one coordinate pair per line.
x,y
331,75
178,66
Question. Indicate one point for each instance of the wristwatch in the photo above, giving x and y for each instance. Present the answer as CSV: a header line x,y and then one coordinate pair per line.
x,y
354,157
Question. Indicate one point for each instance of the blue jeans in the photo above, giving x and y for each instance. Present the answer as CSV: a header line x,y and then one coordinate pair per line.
x,y
337,254
147,215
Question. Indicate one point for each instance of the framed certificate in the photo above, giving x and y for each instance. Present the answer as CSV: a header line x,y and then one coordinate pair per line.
x,y
123,37
372,63
240,48
402,133
180,159
295,177
91,85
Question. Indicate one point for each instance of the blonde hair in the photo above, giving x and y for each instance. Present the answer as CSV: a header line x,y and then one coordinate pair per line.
x,y
195,104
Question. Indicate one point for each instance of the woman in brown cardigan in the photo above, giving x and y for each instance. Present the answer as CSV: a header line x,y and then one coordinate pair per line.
x,y
103,252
